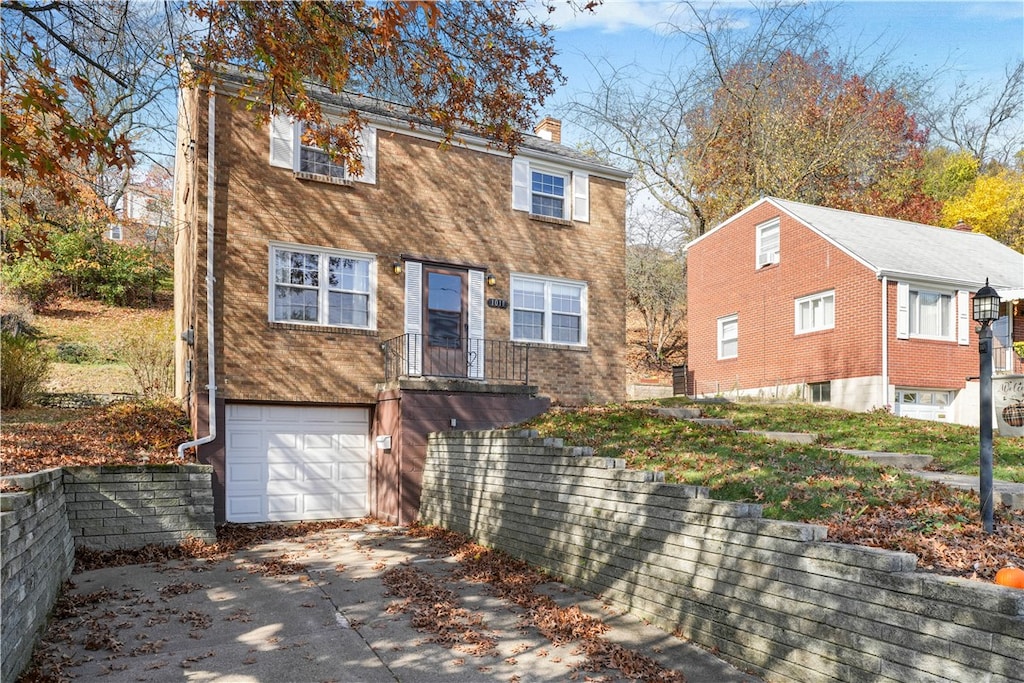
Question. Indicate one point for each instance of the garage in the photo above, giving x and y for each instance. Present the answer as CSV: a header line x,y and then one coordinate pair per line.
x,y
924,404
291,463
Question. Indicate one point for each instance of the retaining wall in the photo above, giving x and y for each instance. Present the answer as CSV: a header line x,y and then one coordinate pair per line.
x,y
96,507
771,597
38,553
133,506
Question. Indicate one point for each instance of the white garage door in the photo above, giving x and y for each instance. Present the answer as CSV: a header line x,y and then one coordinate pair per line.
x,y
288,463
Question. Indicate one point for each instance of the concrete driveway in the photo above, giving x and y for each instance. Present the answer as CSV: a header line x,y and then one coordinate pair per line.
x,y
361,605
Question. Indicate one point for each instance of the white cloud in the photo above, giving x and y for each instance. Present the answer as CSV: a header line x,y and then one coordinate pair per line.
x,y
618,15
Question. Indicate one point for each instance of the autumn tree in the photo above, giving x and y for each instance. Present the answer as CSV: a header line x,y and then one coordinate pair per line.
x,y
993,205
806,129
656,282
485,67
770,108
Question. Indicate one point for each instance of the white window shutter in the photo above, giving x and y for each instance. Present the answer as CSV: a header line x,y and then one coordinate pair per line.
x,y
963,318
520,184
581,197
902,310
475,362
414,317
368,150
282,141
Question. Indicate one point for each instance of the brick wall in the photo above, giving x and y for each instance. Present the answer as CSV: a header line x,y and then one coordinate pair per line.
x,y
723,280
772,597
37,551
450,205
129,507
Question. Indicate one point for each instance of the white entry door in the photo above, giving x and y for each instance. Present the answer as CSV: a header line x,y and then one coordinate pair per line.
x,y
291,463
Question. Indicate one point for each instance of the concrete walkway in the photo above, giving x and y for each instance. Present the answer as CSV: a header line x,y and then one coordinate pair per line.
x,y
317,609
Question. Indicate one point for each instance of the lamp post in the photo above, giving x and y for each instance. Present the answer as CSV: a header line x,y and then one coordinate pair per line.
x,y
986,310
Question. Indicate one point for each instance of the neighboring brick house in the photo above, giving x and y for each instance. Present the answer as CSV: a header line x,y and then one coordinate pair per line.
x,y
446,287
791,300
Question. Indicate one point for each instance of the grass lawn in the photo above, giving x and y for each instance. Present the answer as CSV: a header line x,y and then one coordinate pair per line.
x,y
860,501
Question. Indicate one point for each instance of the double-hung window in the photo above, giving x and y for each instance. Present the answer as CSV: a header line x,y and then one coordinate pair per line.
x,y
114,231
287,150
728,337
327,287
549,310
319,162
548,191
816,312
768,243
931,314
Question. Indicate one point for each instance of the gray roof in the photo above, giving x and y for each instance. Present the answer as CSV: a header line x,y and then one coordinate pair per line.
x,y
898,248
380,110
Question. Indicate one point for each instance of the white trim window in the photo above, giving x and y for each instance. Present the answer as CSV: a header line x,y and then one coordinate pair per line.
x,y
728,337
549,191
931,314
815,312
319,286
114,231
768,243
288,151
549,310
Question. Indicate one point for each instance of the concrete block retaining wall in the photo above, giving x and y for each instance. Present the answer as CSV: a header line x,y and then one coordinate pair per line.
x,y
38,553
102,508
129,507
771,597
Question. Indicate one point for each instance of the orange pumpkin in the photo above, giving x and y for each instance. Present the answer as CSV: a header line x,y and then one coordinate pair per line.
x,y
1010,576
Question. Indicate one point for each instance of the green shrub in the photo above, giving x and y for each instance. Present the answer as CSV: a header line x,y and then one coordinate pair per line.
x,y
78,352
23,367
149,351
34,280
115,274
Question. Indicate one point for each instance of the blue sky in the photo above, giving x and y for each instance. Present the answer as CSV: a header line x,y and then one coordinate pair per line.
x,y
975,39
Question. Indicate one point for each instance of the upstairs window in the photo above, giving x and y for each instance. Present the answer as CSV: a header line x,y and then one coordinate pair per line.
x,y
114,231
549,310
550,192
322,287
547,194
816,312
313,163
318,162
768,243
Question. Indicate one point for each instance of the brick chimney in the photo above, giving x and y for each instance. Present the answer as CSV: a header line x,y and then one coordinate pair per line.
x,y
962,226
549,129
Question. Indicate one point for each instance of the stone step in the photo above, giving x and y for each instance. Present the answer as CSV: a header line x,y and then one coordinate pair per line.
x,y
790,437
679,413
906,461
711,422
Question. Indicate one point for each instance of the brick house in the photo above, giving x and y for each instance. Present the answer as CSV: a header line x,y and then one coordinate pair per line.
x,y
445,288
789,300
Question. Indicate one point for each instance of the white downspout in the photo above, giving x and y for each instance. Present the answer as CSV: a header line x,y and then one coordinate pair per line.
x,y
211,355
885,341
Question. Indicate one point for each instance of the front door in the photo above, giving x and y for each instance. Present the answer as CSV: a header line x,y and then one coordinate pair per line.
x,y
445,329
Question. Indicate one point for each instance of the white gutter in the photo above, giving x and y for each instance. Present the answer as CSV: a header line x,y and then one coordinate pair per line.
x,y
211,139
885,341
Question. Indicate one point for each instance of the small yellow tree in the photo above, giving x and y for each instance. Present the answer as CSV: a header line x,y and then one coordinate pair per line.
x,y
994,205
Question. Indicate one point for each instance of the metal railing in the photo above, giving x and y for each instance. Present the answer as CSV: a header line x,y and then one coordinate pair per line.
x,y
492,360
